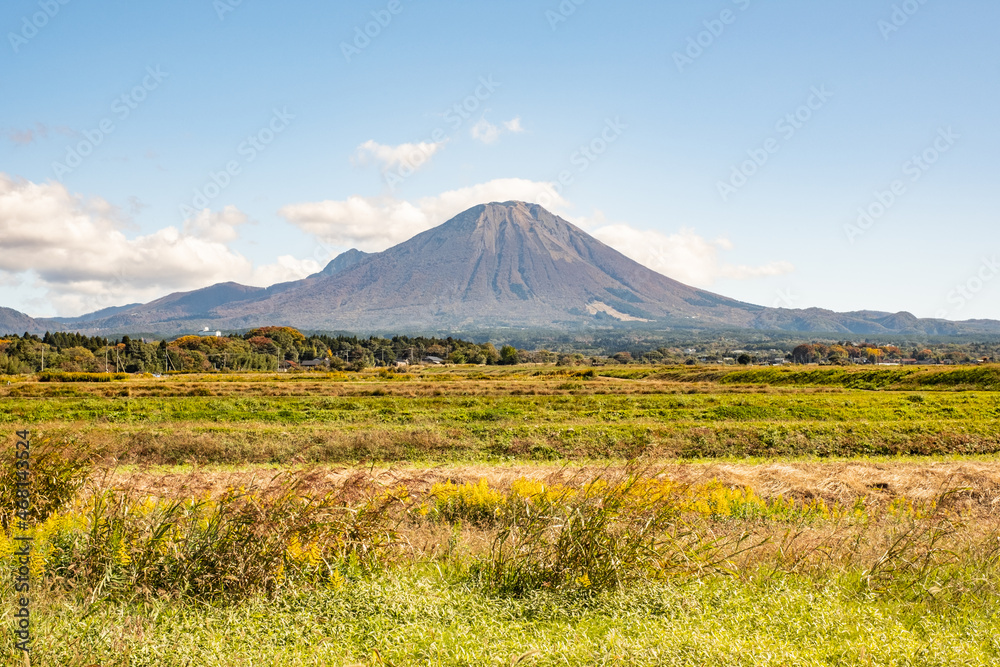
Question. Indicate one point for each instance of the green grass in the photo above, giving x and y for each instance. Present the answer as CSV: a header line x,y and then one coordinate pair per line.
x,y
560,424
419,618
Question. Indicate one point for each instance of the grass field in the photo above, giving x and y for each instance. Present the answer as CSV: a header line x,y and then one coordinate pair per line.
x,y
523,515
546,413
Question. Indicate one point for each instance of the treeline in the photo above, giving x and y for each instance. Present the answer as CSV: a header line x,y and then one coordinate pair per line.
x,y
56,351
262,349
851,353
273,348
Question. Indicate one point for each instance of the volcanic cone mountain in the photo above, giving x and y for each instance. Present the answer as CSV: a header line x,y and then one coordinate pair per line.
x,y
510,264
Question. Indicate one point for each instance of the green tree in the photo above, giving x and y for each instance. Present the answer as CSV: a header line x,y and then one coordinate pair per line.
x,y
508,355
491,354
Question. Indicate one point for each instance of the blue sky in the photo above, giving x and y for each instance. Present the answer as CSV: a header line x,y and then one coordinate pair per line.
x,y
730,144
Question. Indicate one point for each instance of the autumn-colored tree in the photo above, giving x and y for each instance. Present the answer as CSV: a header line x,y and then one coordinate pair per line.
x,y
805,354
264,345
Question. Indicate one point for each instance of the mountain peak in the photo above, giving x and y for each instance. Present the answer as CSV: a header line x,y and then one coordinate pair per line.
x,y
492,218
344,260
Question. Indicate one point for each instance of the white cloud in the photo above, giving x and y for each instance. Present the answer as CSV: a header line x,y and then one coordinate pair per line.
x,y
513,125
485,131
212,226
75,250
376,223
412,156
286,269
684,256
489,133
28,136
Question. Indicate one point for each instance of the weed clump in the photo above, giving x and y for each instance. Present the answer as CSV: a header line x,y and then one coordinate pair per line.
x,y
246,542
58,471
599,536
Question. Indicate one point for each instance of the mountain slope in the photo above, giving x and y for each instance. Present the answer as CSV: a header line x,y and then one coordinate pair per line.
x,y
16,322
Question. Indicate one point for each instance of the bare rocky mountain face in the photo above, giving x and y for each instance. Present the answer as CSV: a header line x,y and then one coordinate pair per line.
x,y
497,265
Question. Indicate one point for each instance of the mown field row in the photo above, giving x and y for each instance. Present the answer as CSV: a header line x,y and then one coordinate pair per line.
x,y
447,409
986,376
982,377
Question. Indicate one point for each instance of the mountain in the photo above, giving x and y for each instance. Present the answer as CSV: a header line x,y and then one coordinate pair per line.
x,y
179,307
14,322
495,265
101,314
510,264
